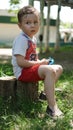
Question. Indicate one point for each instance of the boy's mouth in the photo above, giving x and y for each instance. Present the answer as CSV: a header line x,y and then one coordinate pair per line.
x,y
32,30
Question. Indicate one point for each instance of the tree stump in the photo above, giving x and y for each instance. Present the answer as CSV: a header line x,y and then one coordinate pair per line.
x,y
7,86
27,91
10,86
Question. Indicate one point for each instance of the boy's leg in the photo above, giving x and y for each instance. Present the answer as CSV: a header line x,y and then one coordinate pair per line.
x,y
58,71
49,76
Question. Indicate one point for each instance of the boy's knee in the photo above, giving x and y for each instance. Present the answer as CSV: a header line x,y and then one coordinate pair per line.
x,y
60,68
49,71
52,72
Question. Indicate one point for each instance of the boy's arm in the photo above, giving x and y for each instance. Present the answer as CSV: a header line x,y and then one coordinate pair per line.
x,y
22,62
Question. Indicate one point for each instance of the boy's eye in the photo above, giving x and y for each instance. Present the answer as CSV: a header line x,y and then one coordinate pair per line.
x,y
35,22
27,22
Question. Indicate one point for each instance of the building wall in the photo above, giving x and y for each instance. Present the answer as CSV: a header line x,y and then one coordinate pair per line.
x,y
9,28
52,34
8,32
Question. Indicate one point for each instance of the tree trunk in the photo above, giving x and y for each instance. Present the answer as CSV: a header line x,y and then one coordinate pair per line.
x,y
7,86
57,44
27,91
47,28
42,23
11,87
31,2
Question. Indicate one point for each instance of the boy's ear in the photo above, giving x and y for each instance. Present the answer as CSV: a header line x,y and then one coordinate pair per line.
x,y
19,24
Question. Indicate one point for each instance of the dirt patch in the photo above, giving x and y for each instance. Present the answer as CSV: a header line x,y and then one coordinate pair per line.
x,y
63,58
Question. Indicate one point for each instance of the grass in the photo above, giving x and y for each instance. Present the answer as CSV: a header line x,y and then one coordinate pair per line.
x,y
22,116
31,116
6,69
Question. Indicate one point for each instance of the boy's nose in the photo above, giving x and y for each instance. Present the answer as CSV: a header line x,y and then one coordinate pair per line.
x,y
32,24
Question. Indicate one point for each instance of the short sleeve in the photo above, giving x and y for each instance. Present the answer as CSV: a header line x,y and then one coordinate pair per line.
x,y
20,46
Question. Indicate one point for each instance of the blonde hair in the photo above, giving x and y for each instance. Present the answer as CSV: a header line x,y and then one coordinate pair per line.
x,y
25,11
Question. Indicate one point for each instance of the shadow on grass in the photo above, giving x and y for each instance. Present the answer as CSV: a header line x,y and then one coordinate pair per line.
x,y
30,116
20,115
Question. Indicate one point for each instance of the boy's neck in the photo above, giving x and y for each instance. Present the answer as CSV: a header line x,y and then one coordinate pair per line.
x,y
27,35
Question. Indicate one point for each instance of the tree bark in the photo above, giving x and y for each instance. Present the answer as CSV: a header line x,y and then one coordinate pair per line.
x,y
11,87
57,44
27,91
7,86
31,2
42,23
47,27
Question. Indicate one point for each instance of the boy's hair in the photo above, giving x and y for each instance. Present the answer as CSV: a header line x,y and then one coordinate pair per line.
x,y
26,10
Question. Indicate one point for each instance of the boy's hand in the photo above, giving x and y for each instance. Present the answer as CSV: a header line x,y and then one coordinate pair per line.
x,y
44,61
49,61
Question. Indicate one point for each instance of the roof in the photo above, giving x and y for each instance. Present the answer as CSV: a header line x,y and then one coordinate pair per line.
x,y
68,3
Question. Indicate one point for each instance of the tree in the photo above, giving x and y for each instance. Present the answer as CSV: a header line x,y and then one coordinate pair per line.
x,y
47,27
31,2
57,44
42,23
14,3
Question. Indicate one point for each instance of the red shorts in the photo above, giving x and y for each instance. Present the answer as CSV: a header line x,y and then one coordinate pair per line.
x,y
30,74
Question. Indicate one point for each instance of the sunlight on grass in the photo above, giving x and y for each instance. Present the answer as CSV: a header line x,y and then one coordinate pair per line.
x,y
18,115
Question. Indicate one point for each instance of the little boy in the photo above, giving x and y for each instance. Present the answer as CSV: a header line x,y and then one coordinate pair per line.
x,y
26,65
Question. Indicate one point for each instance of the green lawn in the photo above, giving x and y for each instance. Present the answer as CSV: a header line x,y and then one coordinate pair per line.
x,y
22,116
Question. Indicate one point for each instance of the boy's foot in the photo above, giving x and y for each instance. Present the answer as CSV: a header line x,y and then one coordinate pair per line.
x,y
42,96
54,114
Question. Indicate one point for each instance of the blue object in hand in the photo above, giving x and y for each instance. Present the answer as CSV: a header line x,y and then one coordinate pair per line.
x,y
51,61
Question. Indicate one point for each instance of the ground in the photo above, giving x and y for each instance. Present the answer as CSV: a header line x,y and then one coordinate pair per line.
x,y
21,117
64,58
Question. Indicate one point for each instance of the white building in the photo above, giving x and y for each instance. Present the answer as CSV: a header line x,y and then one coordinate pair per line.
x,y
9,28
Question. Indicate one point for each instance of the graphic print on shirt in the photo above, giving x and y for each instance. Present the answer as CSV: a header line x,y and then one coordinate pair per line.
x,y
31,51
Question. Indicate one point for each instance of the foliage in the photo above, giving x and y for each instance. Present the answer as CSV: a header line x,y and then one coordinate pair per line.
x,y
65,25
14,3
15,115
6,70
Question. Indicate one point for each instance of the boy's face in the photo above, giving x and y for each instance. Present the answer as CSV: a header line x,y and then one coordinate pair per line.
x,y
30,24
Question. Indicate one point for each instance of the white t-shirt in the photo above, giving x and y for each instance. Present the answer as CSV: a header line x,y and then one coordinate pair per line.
x,y
20,46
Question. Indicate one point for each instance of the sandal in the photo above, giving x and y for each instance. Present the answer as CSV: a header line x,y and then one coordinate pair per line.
x,y
42,96
53,114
